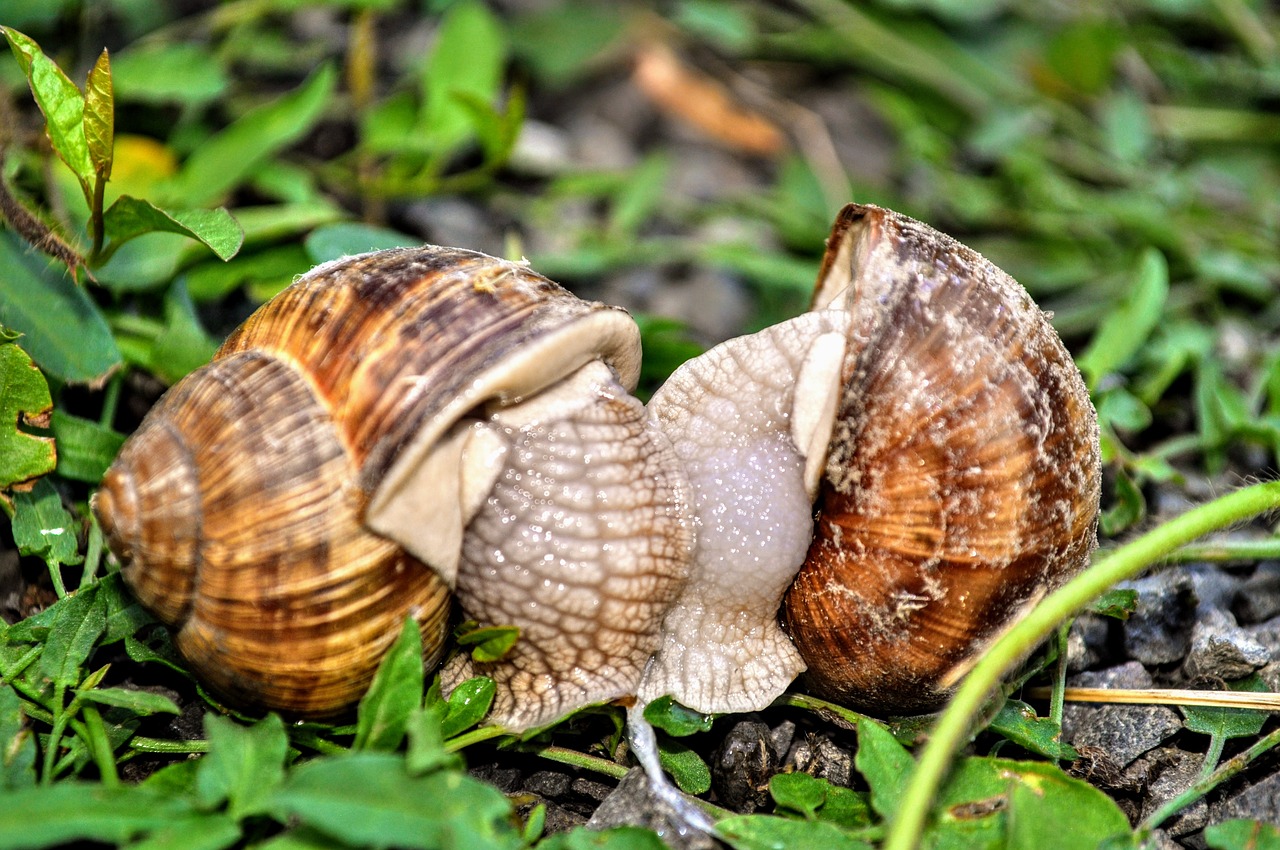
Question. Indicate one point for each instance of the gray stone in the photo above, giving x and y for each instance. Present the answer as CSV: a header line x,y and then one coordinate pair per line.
x,y
1222,650
818,755
541,150
1124,732
1258,598
742,766
548,783
1215,588
1166,772
1159,631
634,803
1088,642
1252,799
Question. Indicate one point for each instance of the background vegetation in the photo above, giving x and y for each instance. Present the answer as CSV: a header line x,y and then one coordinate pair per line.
x,y
684,159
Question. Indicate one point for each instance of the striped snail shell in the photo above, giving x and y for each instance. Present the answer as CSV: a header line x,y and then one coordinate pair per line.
x,y
286,507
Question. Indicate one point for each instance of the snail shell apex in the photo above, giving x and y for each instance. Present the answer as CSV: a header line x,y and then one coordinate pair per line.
x,y
963,478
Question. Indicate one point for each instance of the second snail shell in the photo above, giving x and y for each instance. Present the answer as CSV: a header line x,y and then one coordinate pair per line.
x,y
919,448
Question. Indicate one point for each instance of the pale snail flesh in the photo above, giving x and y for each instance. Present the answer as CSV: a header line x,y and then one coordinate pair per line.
x,y
485,419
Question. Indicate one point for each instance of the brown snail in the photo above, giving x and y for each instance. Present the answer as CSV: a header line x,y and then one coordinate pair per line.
x,y
919,447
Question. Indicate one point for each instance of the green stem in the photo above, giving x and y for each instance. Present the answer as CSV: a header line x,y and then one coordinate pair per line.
x,y
100,746
167,747
96,224
582,760
1213,755
1204,786
1227,550
60,718
820,706
111,399
956,723
475,736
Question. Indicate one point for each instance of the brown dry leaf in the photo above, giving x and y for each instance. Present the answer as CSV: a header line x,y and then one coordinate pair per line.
x,y
703,103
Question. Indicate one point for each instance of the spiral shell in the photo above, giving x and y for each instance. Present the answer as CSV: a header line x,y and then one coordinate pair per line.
x,y
963,475
240,507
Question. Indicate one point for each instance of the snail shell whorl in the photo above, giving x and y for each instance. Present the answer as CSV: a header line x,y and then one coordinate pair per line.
x,y
963,478
239,507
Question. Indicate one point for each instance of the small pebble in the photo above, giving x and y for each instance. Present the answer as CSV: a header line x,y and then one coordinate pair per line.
x,y
1159,631
1222,650
1124,731
1258,598
633,803
1166,772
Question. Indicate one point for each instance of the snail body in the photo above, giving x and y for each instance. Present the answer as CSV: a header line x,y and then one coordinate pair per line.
x,y
903,470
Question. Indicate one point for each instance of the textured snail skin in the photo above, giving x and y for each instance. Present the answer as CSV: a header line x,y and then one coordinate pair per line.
x,y
239,507
743,421
963,477
582,544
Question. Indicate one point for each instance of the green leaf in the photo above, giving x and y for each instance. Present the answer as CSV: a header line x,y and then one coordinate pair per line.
x,y
763,832
469,57
685,766
79,620
24,400
65,332
346,238
1242,835
186,73
85,448
211,831
491,643
1125,329
272,268
641,196
99,116
183,346
244,766
1224,721
42,527
1018,722
141,703
17,743
367,798
62,104
80,811
396,693
426,751
223,161
1130,506
1118,603
799,792
1045,801
885,764
129,217
468,704
675,719
617,838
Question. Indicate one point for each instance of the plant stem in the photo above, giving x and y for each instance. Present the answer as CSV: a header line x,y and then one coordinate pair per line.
x,y
574,758
475,736
100,746
955,724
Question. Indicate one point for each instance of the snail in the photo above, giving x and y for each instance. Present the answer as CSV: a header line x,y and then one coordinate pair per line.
x,y
872,490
